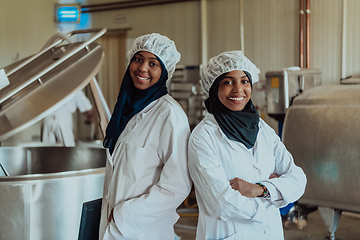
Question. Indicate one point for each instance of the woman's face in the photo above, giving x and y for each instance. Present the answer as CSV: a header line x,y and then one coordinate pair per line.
x,y
145,70
235,90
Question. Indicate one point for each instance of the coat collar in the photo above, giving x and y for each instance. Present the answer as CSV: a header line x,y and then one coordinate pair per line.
x,y
210,119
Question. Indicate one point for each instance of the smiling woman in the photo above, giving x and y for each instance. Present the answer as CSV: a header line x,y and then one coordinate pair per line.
x,y
235,90
145,70
241,171
146,176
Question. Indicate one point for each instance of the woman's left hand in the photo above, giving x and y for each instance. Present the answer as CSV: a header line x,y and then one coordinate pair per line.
x,y
245,188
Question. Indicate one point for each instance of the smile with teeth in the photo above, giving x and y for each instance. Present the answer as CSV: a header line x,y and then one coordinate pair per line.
x,y
236,99
142,78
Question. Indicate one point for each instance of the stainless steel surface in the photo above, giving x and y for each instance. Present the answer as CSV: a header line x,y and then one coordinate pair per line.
x,y
321,130
350,81
101,107
283,86
40,84
42,198
185,88
43,188
331,218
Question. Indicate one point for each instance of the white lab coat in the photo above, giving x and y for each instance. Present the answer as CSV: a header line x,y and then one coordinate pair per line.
x,y
147,176
57,127
224,213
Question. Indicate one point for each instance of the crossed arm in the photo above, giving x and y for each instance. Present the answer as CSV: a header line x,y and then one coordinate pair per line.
x,y
247,189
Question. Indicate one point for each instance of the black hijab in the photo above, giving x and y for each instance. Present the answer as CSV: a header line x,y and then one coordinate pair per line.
x,y
241,126
130,102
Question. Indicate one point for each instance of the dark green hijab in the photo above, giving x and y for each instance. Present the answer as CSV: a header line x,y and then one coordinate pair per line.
x,y
241,126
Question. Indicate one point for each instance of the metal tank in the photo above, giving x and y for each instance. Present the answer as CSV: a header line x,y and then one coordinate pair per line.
x,y
42,189
321,130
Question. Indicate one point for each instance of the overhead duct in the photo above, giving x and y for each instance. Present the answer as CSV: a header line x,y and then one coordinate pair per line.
x,y
126,4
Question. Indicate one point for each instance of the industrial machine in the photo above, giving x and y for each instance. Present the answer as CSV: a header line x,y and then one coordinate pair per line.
x,y
186,90
283,86
321,131
43,188
320,125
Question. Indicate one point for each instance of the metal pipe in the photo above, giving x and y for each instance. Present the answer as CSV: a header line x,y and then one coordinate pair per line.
x,y
301,34
101,105
204,42
343,44
307,33
112,3
4,170
242,41
126,4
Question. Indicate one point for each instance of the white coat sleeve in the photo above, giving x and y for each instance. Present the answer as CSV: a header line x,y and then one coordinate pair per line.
x,y
82,102
211,183
174,185
290,186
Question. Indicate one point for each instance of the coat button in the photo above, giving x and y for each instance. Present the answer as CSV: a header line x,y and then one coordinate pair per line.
x,y
267,231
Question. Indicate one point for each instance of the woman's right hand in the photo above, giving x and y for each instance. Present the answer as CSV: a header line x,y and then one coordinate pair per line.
x,y
246,189
273,175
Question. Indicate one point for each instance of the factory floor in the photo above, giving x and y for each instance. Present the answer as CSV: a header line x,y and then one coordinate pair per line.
x,y
315,229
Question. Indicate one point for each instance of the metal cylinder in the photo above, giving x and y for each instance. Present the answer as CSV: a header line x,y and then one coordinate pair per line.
x,y
43,195
321,130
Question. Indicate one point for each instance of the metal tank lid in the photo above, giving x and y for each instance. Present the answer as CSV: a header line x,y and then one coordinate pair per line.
x,y
35,86
350,80
331,94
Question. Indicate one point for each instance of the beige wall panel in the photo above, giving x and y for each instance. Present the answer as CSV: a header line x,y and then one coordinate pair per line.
x,y
325,38
271,40
179,21
271,30
352,38
25,26
113,68
223,26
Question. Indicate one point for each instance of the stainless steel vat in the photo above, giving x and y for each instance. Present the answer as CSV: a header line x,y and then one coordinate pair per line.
x,y
321,130
42,189
43,195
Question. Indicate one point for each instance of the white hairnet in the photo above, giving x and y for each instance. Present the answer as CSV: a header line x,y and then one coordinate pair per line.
x,y
159,45
223,63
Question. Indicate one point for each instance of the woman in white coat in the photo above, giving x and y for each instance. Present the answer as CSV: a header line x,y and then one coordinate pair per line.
x,y
146,175
241,170
58,128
